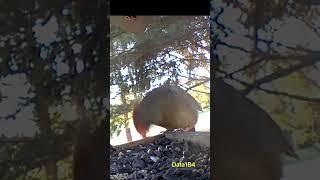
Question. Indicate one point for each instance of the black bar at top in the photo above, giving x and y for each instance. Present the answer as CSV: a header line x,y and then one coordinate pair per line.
x,y
159,7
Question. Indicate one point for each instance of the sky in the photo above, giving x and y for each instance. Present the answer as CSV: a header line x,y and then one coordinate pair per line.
x,y
44,34
115,100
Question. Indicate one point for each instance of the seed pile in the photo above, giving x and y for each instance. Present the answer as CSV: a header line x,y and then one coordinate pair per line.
x,y
155,161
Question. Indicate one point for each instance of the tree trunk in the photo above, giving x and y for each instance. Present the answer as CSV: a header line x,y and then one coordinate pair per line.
x,y
128,133
51,170
44,123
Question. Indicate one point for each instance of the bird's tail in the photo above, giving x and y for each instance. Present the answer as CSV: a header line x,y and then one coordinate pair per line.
x,y
141,126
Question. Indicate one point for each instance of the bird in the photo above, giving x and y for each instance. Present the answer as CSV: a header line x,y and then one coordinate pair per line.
x,y
248,144
167,106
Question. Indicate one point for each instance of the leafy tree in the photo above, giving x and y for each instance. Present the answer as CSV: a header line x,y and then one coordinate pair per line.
x,y
173,48
58,49
269,50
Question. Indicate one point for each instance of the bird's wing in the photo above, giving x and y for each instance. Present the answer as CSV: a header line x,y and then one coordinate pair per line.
x,y
190,99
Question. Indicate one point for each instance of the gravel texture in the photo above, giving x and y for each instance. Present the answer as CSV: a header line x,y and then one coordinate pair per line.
x,y
154,161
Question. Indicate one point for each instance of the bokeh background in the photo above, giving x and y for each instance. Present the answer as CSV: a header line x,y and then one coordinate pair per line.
x,y
270,50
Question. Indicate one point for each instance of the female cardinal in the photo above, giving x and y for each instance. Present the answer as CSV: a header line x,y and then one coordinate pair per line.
x,y
247,143
167,106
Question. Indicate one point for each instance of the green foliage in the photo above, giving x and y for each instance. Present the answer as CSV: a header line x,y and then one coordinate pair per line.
x,y
170,50
277,72
202,94
80,41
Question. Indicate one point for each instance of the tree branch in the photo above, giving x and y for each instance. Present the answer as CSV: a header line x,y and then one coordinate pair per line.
x,y
294,96
307,60
198,84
